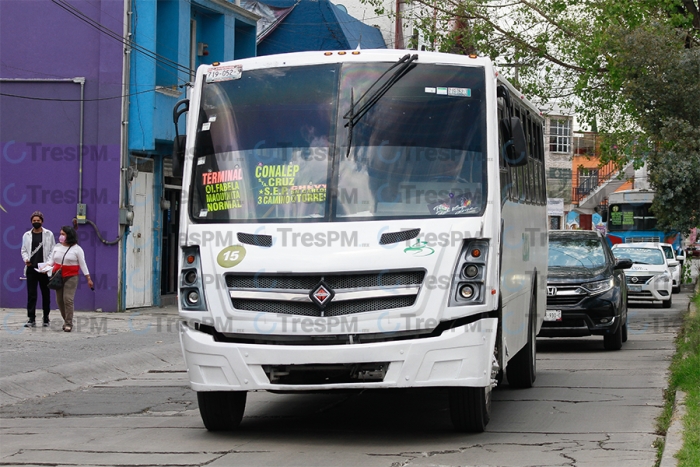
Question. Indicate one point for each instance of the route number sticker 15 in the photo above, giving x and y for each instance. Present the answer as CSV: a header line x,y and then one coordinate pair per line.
x,y
230,256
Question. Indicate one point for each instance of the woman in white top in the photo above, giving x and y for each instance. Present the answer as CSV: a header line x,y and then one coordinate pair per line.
x,y
70,259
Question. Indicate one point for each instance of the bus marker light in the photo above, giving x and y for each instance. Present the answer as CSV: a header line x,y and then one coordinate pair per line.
x,y
216,64
327,53
356,52
342,53
476,252
190,259
493,291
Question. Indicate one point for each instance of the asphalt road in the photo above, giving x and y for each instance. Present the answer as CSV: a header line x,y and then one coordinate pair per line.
x,y
589,407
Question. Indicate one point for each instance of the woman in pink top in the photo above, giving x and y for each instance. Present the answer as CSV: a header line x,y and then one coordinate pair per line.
x,y
70,258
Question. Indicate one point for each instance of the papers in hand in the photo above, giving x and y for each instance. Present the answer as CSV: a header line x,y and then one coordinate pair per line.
x,y
43,268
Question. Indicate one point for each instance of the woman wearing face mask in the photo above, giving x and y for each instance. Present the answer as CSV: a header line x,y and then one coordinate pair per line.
x,y
70,258
37,244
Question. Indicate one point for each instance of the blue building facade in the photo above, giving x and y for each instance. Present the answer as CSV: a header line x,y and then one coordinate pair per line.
x,y
87,89
182,36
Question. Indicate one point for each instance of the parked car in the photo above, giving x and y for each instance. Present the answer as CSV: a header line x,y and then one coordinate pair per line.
x,y
681,256
672,261
674,266
649,278
586,292
694,250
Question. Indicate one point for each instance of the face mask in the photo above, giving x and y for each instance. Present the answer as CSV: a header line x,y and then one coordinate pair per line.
x,y
61,238
36,225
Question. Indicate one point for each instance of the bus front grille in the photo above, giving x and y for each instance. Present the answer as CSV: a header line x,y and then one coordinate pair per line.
x,y
333,309
291,294
334,281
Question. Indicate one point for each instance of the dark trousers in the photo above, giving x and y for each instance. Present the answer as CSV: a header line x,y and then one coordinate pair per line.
x,y
34,278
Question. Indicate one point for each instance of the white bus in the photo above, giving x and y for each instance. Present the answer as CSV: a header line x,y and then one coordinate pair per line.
x,y
360,219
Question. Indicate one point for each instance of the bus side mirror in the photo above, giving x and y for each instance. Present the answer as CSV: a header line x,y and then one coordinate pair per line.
x,y
179,141
178,154
515,150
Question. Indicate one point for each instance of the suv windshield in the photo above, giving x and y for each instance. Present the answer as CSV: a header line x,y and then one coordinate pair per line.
x,y
272,145
576,252
641,255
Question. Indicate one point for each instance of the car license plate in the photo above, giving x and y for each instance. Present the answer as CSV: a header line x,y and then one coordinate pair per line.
x,y
634,288
552,315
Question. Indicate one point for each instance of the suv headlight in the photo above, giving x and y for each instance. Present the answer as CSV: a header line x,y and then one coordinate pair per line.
x,y
600,286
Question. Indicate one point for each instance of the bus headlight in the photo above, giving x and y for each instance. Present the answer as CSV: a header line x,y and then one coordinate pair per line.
x,y
470,273
191,287
466,291
193,297
190,277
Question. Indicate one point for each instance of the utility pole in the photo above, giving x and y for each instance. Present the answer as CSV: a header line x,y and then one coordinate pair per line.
x,y
398,34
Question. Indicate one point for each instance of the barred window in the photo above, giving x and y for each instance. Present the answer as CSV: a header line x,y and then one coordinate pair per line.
x,y
560,135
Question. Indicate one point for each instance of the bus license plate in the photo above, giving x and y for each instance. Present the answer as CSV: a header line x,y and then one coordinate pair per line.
x,y
552,315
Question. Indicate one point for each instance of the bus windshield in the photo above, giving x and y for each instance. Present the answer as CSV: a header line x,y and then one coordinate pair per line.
x,y
272,146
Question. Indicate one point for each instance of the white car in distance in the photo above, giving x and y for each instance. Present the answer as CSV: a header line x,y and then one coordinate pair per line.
x,y
649,279
674,266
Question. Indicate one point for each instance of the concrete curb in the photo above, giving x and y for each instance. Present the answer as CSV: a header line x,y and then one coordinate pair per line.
x,y
674,435
71,376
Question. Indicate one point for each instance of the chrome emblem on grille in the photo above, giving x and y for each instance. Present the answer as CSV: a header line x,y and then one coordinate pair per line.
x,y
322,295
634,279
551,291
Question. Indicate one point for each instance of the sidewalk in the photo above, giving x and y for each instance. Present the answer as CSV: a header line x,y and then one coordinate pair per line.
x,y
674,434
103,347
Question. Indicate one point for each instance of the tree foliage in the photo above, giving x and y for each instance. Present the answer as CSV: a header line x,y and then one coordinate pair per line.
x,y
630,67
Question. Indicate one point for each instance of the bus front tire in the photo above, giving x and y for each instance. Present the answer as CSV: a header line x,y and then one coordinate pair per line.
x,y
522,368
470,408
221,410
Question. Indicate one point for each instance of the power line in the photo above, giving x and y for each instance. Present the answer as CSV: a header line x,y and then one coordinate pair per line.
x,y
34,98
118,37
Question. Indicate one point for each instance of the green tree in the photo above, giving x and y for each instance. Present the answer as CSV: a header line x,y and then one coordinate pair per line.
x,y
631,67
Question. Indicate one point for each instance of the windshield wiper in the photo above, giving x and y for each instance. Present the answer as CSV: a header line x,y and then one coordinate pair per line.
x,y
405,64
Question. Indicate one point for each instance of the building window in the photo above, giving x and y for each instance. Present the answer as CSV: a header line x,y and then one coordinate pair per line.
x,y
587,180
560,135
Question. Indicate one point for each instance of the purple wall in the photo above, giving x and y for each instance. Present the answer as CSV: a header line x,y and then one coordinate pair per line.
x,y
40,138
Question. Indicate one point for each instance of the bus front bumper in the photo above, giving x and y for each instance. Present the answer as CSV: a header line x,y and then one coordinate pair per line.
x,y
461,356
